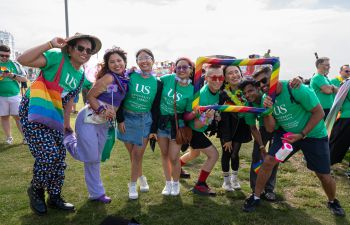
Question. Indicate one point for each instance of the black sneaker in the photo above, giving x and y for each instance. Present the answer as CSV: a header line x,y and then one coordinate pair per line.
x,y
347,174
268,196
250,204
184,174
56,201
336,208
203,189
37,200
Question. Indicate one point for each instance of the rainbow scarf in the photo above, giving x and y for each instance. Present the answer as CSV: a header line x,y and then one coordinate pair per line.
x,y
45,104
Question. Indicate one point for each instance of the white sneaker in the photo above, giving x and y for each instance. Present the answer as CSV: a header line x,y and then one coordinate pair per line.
x,y
227,186
234,182
143,184
132,191
9,140
175,189
167,189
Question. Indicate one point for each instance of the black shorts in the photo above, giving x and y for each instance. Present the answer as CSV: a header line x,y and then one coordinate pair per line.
x,y
339,141
242,133
199,140
24,85
315,150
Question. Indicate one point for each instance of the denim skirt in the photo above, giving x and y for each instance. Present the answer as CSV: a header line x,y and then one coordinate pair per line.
x,y
137,127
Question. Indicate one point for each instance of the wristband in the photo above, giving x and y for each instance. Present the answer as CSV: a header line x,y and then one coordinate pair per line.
x,y
100,109
303,134
50,44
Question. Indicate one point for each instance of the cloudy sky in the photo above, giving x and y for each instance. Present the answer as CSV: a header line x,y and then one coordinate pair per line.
x,y
293,29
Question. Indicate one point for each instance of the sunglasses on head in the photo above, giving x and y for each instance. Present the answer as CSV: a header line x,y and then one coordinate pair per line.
x,y
82,49
4,56
217,78
184,67
263,81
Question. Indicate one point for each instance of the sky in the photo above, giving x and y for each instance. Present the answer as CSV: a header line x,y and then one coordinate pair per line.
x,y
293,29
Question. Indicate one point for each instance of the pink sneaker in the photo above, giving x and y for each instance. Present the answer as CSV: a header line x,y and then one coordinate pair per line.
x,y
103,198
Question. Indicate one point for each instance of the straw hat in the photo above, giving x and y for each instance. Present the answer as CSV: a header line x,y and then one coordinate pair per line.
x,y
97,41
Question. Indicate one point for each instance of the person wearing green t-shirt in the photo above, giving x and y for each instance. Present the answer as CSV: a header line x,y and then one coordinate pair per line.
x,y
46,144
322,86
11,73
339,141
209,95
302,119
137,117
176,87
344,74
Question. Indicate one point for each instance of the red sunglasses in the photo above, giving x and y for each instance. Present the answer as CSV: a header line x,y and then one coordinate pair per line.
x,y
217,78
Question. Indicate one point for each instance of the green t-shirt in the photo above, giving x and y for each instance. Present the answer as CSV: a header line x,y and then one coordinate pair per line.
x,y
293,117
9,87
70,77
250,118
345,109
337,81
184,96
141,93
316,83
206,97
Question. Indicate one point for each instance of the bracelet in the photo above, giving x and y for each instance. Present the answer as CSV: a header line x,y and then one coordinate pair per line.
x,y
100,109
303,134
50,44
261,147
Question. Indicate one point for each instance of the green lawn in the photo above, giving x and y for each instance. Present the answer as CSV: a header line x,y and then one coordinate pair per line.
x,y
301,199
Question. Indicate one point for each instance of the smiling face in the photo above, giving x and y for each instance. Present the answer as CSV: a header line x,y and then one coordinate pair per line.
x,y
215,78
233,75
183,69
145,62
116,63
251,93
264,81
4,56
81,52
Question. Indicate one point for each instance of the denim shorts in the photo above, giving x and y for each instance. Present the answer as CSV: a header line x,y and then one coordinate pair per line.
x,y
166,132
137,127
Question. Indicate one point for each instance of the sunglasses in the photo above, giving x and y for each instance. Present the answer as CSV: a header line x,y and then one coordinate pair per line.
x,y
145,58
4,56
346,71
217,78
263,81
82,49
184,68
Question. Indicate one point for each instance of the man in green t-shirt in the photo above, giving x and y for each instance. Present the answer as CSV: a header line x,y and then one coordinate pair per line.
x,y
302,119
322,86
344,74
11,73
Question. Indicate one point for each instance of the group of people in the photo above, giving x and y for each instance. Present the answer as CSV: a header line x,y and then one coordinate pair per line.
x,y
149,108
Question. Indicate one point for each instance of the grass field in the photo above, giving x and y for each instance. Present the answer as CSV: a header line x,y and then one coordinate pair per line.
x,y
300,197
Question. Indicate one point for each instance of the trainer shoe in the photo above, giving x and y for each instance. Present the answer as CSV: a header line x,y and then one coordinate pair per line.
x,y
203,189
175,189
133,194
167,189
234,181
184,174
268,196
347,174
250,204
103,198
335,208
143,184
9,140
227,186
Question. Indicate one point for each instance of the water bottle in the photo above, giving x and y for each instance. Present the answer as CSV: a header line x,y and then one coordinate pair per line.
x,y
285,150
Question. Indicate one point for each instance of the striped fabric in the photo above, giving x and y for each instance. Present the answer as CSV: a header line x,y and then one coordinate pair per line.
x,y
45,104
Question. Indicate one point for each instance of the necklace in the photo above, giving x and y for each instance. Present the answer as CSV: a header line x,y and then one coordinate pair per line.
x,y
236,96
183,81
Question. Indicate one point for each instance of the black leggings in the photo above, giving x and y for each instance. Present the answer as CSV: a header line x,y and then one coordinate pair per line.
x,y
233,156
